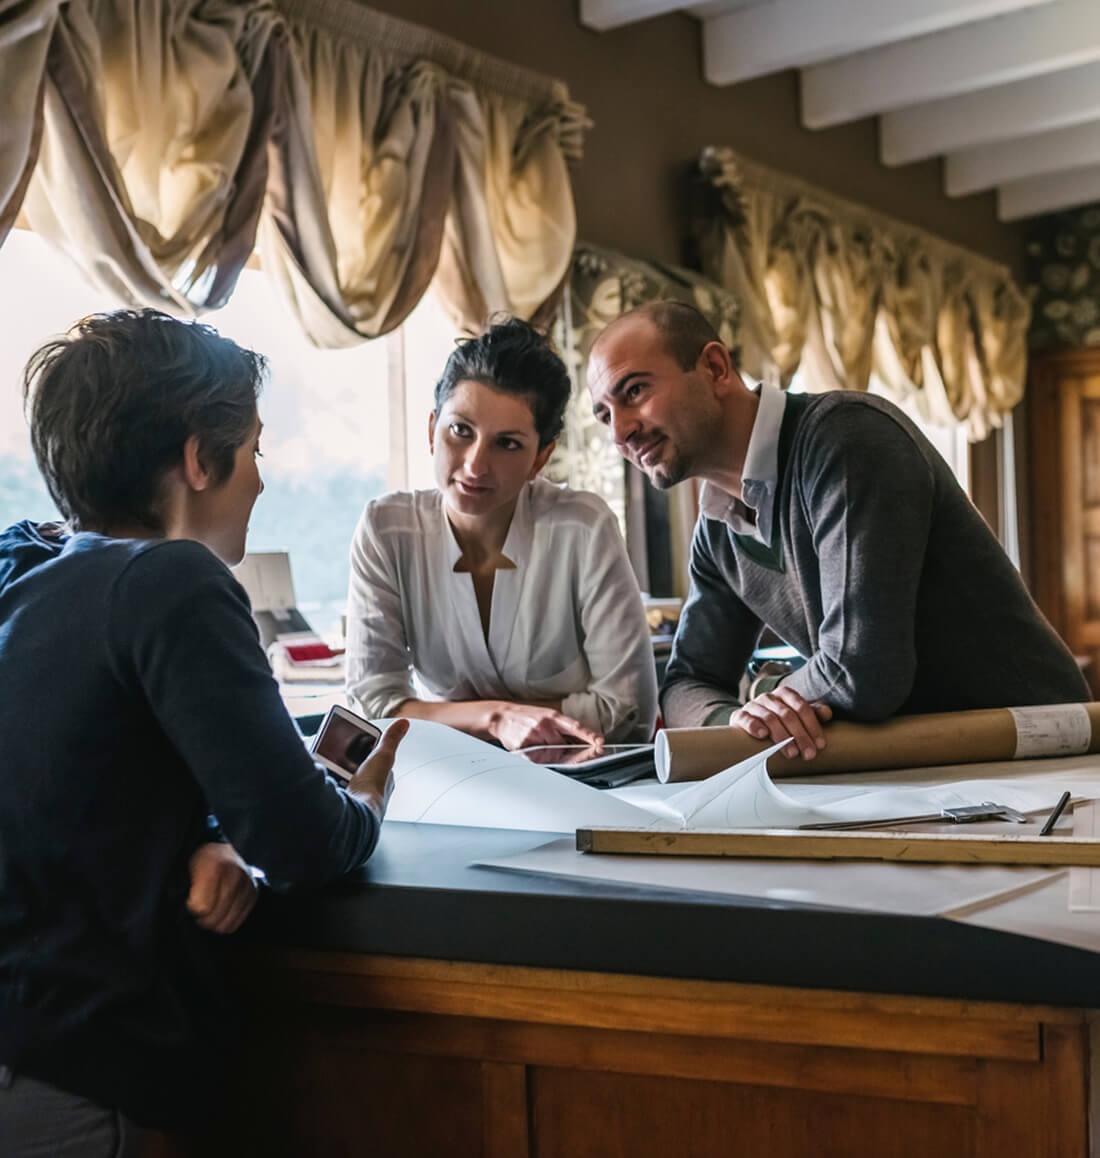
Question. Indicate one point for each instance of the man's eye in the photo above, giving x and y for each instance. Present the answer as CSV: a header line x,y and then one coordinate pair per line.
x,y
511,444
459,429
632,392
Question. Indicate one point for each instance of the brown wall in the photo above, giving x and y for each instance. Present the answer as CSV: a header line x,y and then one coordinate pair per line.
x,y
653,114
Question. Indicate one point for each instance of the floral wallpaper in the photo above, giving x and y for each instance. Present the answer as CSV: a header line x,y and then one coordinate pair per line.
x,y
1063,253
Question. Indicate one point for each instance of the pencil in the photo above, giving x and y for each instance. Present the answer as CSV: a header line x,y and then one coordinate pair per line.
x,y
1056,812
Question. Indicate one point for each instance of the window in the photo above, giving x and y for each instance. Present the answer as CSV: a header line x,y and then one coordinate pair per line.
x,y
340,426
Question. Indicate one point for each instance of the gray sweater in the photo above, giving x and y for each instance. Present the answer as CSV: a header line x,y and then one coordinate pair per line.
x,y
881,573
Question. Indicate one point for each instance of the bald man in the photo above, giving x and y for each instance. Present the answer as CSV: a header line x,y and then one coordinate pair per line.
x,y
832,520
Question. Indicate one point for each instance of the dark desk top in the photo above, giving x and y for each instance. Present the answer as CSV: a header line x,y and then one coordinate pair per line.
x,y
420,896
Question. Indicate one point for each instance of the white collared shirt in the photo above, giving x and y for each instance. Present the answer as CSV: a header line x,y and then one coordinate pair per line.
x,y
759,475
566,623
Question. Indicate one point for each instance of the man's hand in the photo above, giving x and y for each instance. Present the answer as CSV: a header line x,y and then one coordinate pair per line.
x,y
222,888
373,779
783,714
525,725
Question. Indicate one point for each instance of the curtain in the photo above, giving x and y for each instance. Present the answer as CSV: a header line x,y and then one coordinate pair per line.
x,y
405,158
603,285
26,27
155,141
152,164
846,293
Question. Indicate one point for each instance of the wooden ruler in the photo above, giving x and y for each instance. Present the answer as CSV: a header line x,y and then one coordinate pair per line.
x,y
792,844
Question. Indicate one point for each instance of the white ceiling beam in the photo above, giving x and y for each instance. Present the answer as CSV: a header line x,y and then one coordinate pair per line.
x,y
976,169
784,34
711,8
996,114
962,60
602,15
1049,193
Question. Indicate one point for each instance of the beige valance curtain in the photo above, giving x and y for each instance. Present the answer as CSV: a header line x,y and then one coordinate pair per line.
x,y
153,126
407,157
846,292
155,140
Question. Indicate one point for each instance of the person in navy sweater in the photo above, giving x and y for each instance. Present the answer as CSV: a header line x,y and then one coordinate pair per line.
x,y
136,703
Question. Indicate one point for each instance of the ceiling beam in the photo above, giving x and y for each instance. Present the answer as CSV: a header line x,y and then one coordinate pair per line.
x,y
976,169
996,114
603,15
961,60
1047,194
768,38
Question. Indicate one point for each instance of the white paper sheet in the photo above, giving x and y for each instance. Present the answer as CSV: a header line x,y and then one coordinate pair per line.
x,y
745,796
447,777
1041,912
916,890
1084,883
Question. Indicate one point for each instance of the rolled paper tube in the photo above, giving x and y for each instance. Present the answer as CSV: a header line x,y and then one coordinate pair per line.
x,y
903,742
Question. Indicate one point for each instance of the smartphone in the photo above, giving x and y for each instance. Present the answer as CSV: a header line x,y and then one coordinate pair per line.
x,y
344,741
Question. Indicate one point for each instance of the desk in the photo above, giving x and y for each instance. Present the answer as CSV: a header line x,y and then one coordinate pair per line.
x,y
428,1007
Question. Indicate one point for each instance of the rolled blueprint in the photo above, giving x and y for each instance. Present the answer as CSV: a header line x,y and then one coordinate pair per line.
x,y
903,742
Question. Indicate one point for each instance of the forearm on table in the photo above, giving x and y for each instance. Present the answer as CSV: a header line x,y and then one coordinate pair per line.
x,y
612,719
475,717
691,703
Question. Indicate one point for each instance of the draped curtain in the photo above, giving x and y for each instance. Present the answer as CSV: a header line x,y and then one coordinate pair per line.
x,y
154,141
846,292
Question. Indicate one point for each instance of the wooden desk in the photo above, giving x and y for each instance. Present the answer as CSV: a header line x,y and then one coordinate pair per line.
x,y
435,1008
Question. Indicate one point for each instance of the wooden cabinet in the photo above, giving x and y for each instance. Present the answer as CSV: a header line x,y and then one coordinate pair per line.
x,y
396,1058
1064,457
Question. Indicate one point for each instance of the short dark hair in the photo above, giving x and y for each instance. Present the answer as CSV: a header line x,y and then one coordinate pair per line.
x,y
112,403
684,330
516,358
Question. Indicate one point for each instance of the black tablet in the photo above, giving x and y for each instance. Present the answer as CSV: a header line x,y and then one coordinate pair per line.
x,y
608,767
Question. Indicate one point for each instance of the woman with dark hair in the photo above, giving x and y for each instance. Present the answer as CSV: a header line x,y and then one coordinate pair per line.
x,y
136,702
499,603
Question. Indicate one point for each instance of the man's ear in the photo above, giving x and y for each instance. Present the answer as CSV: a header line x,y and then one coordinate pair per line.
x,y
431,433
715,360
542,458
195,473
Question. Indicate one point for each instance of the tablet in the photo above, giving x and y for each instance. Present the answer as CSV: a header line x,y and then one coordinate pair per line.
x,y
608,767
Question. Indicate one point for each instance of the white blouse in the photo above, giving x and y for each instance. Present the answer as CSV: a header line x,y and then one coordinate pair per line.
x,y
567,623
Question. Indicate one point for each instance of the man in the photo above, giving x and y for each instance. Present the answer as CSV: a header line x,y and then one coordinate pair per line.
x,y
831,520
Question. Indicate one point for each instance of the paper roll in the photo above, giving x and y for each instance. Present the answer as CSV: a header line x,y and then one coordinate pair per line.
x,y
903,742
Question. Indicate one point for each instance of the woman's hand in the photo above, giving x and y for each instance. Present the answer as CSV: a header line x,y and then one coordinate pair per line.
x,y
525,725
223,890
783,714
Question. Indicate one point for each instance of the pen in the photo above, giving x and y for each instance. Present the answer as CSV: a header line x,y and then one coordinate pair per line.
x,y
1052,819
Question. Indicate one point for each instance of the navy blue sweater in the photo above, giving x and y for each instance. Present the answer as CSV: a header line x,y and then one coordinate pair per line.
x,y
134,700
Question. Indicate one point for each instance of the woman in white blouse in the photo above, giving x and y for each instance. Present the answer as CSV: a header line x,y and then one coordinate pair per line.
x,y
510,600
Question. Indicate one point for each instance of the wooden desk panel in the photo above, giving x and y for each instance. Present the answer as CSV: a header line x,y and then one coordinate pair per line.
x,y
348,1054
436,1008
